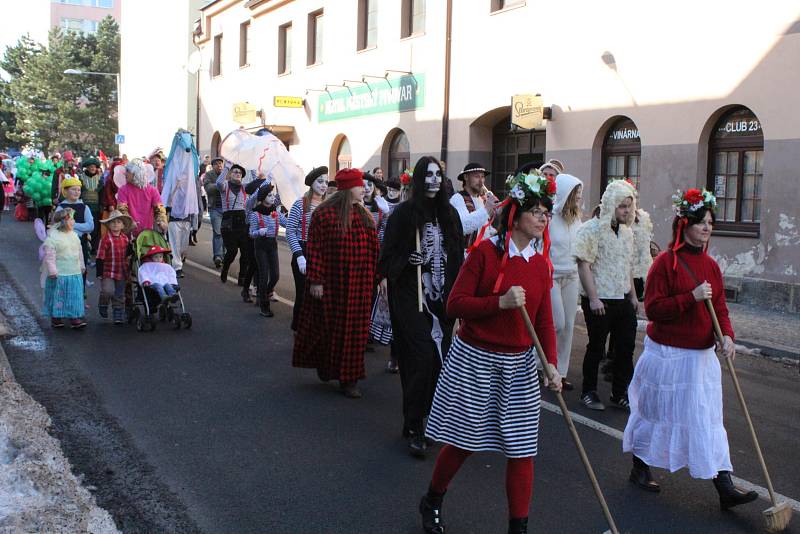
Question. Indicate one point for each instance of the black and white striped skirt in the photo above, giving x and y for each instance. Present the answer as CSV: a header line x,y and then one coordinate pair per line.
x,y
487,401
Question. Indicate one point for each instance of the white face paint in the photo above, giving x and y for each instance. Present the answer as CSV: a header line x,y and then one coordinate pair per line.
x,y
393,194
270,199
369,187
320,185
433,180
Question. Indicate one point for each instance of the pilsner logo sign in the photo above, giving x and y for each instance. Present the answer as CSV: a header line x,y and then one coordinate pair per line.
x,y
527,111
244,113
393,95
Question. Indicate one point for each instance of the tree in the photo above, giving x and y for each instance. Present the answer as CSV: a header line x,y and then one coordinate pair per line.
x,y
56,111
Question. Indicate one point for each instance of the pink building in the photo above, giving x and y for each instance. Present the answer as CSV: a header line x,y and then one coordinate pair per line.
x,y
83,15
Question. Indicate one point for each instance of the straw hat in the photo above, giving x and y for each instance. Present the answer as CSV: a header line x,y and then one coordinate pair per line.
x,y
116,214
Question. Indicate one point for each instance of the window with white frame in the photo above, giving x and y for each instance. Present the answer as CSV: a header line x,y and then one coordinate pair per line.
x,y
285,49
314,44
412,18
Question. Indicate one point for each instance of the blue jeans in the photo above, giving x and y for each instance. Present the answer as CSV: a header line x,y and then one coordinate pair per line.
x,y
163,290
216,241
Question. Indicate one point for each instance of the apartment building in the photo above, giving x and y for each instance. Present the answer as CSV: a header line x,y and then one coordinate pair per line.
x,y
83,15
671,95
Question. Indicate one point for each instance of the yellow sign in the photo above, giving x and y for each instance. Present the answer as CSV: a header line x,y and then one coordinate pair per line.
x,y
244,113
527,111
288,102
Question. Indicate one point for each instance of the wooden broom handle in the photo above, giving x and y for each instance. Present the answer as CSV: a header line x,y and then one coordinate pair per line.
x,y
419,276
572,430
738,388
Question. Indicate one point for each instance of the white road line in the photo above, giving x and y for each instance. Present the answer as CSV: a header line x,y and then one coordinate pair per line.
x,y
578,418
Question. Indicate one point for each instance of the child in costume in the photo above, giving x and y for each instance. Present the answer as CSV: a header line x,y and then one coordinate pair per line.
x,y
82,216
112,264
157,275
264,221
63,266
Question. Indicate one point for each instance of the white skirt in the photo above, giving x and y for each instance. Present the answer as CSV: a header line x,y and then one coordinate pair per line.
x,y
487,401
676,411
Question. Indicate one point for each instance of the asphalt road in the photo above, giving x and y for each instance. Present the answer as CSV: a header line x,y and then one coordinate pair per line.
x,y
212,429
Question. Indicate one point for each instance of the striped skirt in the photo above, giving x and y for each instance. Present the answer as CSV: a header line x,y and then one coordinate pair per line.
x,y
63,297
487,401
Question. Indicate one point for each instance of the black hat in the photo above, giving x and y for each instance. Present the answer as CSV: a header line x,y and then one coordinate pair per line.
x,y
377,183
394,183
263,191
91,160
314,174
472,167
216,159
237,166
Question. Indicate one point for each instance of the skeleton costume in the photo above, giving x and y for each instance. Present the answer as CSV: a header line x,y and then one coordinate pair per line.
x,y
420,340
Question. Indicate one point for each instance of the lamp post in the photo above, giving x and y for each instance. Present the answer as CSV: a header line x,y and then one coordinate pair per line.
x,y
79,72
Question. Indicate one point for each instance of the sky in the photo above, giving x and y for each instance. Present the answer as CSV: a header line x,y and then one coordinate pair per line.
x,y
20,17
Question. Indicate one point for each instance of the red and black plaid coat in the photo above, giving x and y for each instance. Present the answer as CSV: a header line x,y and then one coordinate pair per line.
x,y
332,332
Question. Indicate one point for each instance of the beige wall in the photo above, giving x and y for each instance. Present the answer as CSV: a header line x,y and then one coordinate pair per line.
x,y
677,67
59,11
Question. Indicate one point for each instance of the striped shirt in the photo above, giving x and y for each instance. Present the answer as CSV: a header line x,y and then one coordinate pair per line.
x,y
297,230
230,200
270,222
112,251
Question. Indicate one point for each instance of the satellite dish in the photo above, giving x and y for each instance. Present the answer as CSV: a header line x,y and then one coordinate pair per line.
x,y
194,63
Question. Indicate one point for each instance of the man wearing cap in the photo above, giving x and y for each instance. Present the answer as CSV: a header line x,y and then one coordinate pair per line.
x,y
91,192
474,203
215,208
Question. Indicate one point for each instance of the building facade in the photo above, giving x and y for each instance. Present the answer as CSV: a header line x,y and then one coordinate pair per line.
x,y
83,15
159,80
637,90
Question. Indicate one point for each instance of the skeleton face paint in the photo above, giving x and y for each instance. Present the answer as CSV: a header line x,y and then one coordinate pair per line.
x,y
433,180
320,185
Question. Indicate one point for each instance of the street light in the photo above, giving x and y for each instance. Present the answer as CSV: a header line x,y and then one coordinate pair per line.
x,y
80,72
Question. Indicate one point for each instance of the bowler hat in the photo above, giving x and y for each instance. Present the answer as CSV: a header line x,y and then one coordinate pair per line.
x,y
472,167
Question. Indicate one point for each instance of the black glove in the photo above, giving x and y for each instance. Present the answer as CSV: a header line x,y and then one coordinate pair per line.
x,y
415,258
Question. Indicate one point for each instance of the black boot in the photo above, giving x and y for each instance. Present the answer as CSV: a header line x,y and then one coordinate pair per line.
x,y
430,508
223,274
518,525
417,445
246,295
265,310
640,475
730,495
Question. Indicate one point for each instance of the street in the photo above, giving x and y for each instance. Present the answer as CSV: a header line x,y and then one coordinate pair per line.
x,y
212,430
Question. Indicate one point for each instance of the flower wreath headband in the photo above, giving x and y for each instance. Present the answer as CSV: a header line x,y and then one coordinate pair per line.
x,y
524,190
686,204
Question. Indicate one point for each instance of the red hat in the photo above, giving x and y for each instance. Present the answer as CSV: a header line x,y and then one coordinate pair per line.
x,y
155,249
349,178
68,156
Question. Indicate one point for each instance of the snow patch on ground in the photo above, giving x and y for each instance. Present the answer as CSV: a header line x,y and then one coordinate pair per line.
x,y
38,492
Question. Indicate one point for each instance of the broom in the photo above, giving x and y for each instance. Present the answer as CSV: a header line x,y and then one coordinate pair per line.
x,y
419,277
778,515
585,459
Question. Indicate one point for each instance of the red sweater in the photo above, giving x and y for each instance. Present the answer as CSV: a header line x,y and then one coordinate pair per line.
x,y
676,318
483,323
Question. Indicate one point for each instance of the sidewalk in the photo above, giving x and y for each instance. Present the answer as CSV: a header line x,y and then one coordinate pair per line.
x,y
776,334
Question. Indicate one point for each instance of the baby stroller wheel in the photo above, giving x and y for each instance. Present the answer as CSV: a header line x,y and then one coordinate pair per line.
x,y
139,323
187,320
133,314
152,320
175,320
162,314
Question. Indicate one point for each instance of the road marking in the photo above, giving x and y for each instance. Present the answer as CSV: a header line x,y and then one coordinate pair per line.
x,y
578,418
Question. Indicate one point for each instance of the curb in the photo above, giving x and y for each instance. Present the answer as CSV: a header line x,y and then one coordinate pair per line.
x,y
5,368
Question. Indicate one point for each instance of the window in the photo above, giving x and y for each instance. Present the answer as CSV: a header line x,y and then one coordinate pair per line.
x,y
399,154
108,4
622,151
79,25
499,5
736,170
314,45
367,24
513,150
244,44
216,67
285,49
344,156
412,18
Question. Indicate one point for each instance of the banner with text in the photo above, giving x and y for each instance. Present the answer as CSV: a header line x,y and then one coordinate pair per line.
x,y
381,96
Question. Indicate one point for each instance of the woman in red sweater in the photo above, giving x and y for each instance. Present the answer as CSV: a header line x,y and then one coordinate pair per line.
x,y
487,397
676,392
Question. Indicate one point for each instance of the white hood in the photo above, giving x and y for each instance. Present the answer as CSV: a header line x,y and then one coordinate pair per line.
x,y
565,183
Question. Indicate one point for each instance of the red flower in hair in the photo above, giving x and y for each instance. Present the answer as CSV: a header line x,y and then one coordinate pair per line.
x,y
405,178
551,188
693,196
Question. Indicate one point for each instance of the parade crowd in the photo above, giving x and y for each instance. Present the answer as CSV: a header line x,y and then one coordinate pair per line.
x,y
438,275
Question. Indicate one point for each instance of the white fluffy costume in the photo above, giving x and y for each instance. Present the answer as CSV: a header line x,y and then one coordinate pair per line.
x,y
609,252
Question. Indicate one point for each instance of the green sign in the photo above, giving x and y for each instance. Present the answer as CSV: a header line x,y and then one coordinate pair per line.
x,y
380,96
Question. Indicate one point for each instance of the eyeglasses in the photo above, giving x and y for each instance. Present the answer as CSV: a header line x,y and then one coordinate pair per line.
x,y
541,214
236,171
430,174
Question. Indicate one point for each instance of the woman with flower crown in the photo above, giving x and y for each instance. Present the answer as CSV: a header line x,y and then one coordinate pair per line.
x,y
676,392
487,398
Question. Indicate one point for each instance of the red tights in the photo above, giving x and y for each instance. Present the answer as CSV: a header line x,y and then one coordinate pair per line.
x,y
519,477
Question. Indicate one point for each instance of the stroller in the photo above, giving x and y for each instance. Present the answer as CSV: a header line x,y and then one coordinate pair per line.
x,y
147,307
